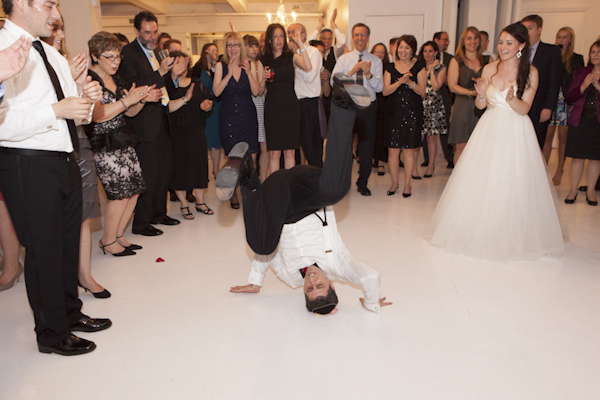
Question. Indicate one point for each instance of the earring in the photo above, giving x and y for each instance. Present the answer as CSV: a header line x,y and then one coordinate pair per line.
x,y
519,54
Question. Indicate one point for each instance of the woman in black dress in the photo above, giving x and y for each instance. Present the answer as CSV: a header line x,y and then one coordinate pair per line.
x,y
584,126
282,109
112,142
404,84
190,101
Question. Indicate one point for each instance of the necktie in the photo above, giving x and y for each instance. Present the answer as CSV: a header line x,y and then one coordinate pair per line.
x,y
59,93
164,100
360,73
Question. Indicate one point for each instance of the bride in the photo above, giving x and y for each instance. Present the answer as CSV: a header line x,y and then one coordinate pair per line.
x,y
499,203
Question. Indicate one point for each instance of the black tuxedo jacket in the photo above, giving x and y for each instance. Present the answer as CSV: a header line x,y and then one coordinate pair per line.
x,y
135,67
548,62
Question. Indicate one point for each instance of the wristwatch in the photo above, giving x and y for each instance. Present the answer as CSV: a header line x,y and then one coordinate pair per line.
x,y
300,51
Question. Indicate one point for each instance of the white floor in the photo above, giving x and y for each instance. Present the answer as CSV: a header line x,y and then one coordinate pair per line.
x,y
459,328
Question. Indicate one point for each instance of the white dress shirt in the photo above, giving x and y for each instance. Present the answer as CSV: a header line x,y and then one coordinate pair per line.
x,y
346,62
27,119
338,47
308,84
307,242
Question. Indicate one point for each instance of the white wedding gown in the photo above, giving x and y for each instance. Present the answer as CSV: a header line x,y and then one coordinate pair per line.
x,y
499,203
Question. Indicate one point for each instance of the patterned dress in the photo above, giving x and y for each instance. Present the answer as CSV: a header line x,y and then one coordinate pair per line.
x,y
112,142
434,114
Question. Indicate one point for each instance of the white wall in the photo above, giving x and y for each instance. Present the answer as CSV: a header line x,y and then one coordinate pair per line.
x,y
427,13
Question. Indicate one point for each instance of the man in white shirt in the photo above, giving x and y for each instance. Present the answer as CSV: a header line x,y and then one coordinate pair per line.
x,y
367,67
311,254
283,213
307,86
39,176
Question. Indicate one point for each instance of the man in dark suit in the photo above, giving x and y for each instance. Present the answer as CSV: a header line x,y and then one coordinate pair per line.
x,y
547,59
151,125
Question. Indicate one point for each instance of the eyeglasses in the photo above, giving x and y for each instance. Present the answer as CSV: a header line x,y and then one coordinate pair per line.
x,y
233,45
357,35
113,58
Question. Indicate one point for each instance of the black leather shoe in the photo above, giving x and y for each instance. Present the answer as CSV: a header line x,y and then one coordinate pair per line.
x,y
364,191
571,201
70,346
166,220
591,202
450,165
346,93
235,171
425,164
87,324
149,231
583,188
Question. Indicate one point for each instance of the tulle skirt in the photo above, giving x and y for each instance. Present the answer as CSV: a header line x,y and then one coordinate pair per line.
x,y
499,203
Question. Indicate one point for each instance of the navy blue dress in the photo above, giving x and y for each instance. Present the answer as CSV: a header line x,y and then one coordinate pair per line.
x,y
237,117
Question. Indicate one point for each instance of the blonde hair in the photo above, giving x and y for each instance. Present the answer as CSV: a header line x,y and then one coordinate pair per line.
x,y
234,38
460,51
567,51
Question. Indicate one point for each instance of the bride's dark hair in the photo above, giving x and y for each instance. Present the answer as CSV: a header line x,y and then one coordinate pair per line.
x,y
519,32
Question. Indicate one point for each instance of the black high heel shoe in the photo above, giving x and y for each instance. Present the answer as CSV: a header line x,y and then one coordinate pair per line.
x,y
591,202
131,246
571,201
429,175
105,294
125,252
416,177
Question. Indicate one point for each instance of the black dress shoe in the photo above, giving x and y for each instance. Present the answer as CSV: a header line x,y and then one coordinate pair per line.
x,y
166,220
416,177
364,191
149,231
70,346
425,164
87,324
450,165
236,171
405,194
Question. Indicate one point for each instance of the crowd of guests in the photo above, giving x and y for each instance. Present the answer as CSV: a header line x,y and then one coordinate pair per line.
x,y
143,120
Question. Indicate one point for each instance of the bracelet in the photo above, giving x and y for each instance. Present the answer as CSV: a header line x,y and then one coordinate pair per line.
x,y
300,51
122,102
184,101
413,85
482,99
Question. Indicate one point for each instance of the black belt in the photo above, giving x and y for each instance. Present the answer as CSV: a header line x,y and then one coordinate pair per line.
x,y
34,153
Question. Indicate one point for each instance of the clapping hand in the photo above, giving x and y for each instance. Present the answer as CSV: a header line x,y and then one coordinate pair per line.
x,y
510,94
136,94
92,91
78,66
206,105
481,86
404,79
180,65
14,57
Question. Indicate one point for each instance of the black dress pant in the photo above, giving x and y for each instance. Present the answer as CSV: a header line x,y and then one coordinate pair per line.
x,y
287,196
366,126
156,161
42,190
310,131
